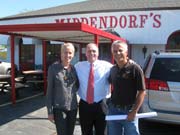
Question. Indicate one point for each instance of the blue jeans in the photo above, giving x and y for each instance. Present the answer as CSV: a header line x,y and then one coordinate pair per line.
x,y
121,127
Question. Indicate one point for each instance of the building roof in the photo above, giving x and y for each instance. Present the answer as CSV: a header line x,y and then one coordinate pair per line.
x,y
91,6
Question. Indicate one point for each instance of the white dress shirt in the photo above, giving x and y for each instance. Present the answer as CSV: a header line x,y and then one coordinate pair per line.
x,y
101,74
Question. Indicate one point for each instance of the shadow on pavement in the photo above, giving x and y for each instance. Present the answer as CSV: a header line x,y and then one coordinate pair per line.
x,y
28,91
11,112
28,116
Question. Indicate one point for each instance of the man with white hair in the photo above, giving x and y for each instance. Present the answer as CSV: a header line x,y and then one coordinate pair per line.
x,y
128,91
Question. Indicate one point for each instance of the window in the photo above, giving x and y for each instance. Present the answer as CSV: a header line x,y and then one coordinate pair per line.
x,y
27,57
174,41
167,69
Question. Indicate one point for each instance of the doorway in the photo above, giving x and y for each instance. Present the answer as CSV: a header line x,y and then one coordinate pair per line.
x,y
27,57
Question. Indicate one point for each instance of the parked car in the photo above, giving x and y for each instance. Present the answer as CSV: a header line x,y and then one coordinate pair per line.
x,y
162,76
5,68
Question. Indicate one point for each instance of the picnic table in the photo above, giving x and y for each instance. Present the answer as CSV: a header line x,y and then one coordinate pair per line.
x,y
33,72
4,80
34,76
5,83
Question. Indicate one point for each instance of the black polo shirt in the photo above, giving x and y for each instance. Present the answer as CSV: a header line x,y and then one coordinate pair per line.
x,y
126,82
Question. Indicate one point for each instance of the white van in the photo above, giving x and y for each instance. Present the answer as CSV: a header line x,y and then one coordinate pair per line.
x,y
162,75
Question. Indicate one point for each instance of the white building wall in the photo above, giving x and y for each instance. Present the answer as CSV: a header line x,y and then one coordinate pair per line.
x,y
138,55
76,55
16,51
150,28
139,27
38,51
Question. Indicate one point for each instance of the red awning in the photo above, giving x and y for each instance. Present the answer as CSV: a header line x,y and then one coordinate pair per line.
x,y
71,32
66,32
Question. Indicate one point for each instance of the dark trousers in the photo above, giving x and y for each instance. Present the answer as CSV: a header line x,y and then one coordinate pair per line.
x,y
91,115
65,121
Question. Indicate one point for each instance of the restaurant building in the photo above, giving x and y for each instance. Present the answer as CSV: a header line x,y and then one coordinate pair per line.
x,y
146,25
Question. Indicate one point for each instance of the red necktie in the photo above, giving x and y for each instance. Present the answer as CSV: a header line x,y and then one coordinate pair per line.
x,y
90,89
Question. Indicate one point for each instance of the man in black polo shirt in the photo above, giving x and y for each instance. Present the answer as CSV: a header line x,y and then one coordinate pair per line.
x,y
128,91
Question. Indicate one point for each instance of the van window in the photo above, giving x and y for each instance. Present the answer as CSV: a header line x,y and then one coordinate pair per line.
x,y
167,69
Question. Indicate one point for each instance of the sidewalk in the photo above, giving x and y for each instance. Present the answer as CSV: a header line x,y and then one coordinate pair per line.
x,y
28,117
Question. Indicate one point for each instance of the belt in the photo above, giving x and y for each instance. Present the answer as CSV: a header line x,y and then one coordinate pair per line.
x,y
124,107
82,101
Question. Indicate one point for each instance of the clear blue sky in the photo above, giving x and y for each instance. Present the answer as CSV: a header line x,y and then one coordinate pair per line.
x,y
12,7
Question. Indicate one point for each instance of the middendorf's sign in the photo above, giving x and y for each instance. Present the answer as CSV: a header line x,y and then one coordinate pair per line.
x,y
138,27
122,21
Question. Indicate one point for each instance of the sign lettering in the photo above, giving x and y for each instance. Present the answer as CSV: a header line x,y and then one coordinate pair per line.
x,y
123,21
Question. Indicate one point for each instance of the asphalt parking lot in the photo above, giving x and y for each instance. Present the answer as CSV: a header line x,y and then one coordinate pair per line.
x,y
27,117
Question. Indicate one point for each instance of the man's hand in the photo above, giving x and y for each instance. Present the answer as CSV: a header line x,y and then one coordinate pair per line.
x,y
131,115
